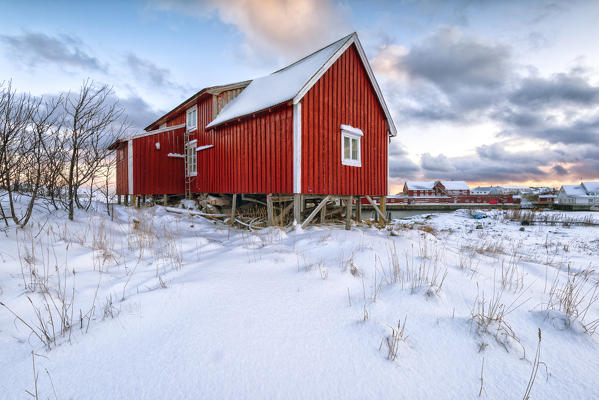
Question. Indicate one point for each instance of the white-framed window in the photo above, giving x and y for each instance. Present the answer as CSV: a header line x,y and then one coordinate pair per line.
x,y
191,157
163,125
351,149
192,118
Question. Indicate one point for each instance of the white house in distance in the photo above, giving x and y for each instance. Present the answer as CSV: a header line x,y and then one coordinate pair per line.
x,y
486,190
585,194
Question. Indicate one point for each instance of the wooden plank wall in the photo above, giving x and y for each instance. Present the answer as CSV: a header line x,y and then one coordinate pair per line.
x,y
254,155
153,171
122,170
344,95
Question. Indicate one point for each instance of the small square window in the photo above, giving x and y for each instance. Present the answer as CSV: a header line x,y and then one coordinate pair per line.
x,y
192,118
351,153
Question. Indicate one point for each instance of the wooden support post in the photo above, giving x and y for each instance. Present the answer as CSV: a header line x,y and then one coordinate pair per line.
x,y
165,200
126,198
284,212
358,209
297,208
233,207
378,211
269,210
118,199
135,203
315,211
348,212
323,212
383,217
143,200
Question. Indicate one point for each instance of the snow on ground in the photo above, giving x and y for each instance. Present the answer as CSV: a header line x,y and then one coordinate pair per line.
x,y
173,306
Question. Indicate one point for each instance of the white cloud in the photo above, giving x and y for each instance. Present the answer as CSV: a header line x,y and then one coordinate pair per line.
x,y
287,28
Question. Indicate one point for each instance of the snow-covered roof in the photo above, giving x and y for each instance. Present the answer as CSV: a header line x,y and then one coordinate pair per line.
x,y
277,87
420,185
455,185
574,190
429,185
591,187
292,83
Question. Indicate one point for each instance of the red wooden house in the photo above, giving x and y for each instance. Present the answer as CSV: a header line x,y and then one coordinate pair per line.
x,y
319,126
436,188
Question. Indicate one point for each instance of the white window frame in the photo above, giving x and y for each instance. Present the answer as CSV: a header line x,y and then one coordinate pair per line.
x,y
352,134
191,158
190,123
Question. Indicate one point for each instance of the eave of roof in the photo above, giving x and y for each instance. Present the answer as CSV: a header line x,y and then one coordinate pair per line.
x,y
209,90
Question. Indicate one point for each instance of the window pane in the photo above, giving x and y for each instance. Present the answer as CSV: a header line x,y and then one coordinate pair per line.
x,y
354,149
346,147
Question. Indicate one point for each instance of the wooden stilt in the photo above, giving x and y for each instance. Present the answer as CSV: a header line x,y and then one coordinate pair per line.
x,y
383,216
377,209
126,198
269,210
135,202
323,212
315,211
118,199
297,208
358,209
233,207
165,200
143,200
348,212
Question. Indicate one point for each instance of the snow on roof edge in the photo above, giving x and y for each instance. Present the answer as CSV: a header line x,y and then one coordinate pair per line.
x,y
278,87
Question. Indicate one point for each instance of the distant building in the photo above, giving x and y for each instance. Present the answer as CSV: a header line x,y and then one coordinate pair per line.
x,y
515,190
547,198
485,190
436,188
585,194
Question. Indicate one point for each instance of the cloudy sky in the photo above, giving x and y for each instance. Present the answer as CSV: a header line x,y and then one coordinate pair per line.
x,y
486,91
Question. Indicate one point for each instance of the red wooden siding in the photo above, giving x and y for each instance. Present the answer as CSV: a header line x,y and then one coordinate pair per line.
x,y
343,95
254,155
122,170
153,171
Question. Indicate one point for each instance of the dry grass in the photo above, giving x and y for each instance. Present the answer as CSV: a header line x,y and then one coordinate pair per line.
x,y
426,270
512,278
53,315
488,317
574,297
532,217
535,369
392,341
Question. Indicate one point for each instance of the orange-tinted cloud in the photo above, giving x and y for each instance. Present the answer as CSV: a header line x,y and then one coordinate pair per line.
x,y
288,28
